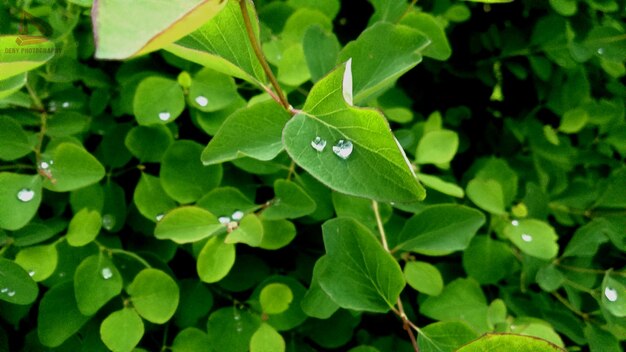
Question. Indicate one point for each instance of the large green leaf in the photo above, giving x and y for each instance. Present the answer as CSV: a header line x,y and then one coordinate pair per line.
x,y
13,140
154,295
20,196
440,229
16,286
124,29
510,342
349,149
316,302
378,63
96,281
222,44
533,237
158,100
72,168
122,330
358,273
58,305
253,131
187,224
17,55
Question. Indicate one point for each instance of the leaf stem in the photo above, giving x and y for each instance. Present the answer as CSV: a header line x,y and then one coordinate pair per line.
x,y
407,325
130,254
280,95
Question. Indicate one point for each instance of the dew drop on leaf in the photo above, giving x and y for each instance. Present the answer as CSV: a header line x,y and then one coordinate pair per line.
x,y
66,104
25,195
224,220
343,149
108,221
31,273
4,290
318,144
610,294
515,223
202,100
11,293
107,273
164,116
600,51
237,215
159,217
527,237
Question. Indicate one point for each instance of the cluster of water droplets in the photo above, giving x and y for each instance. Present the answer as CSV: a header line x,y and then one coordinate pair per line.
x,y
25,195
237,215
106,273
343,148
610,294
46,164
7,291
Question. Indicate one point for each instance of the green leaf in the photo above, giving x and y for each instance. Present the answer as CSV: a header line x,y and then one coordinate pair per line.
x,y
196,302
20,196
440,229
254,131
59,305
387,10
437,147
148,143
277,234
316,303
16,286
230,329
267,339
154,295
445,336
601,340
424,277
533,237
360,209
292,68
187,224
122,330
550,278
494,187
150,198
449,188
123,30
215,260
487,195
226,201
84,227
573,120
39,261
588,238
509,342
358,273
378,63
72,168
329,7
488,260
248,231
536,328
12,84
290,201
439,48
211,90
67,123
158,100
321,49
13,140
14,60
293,316
96,281
222,44
183,176
350,150
461,300
614,296
191,340
275,298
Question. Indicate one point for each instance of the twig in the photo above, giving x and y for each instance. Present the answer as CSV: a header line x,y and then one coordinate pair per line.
x,y
259,54
407,325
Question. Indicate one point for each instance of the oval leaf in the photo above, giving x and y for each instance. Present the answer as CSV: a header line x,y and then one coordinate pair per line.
x,y
187,224
96,281
154,295
16,286
20,196
121,331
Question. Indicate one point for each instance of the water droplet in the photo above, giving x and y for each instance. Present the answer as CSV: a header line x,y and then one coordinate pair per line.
x,y
11,293
159,217
610,294
318,144
237,215
527,237
343,149
600,51
107,273
66,104
62,274
108,221
164,116
224,220
4,290
44,165
237,316
26,195
515,223
202,101
31,273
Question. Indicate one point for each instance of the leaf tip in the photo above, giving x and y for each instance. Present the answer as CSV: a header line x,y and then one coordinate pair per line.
x,y
347,83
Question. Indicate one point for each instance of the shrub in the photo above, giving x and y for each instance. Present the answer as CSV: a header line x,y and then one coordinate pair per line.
x,y
223,175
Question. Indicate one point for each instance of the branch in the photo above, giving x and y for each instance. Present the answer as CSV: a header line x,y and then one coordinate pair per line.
x,y
407,325
280,95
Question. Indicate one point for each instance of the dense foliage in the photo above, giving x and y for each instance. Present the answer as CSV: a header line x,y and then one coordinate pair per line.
x,y
224,175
